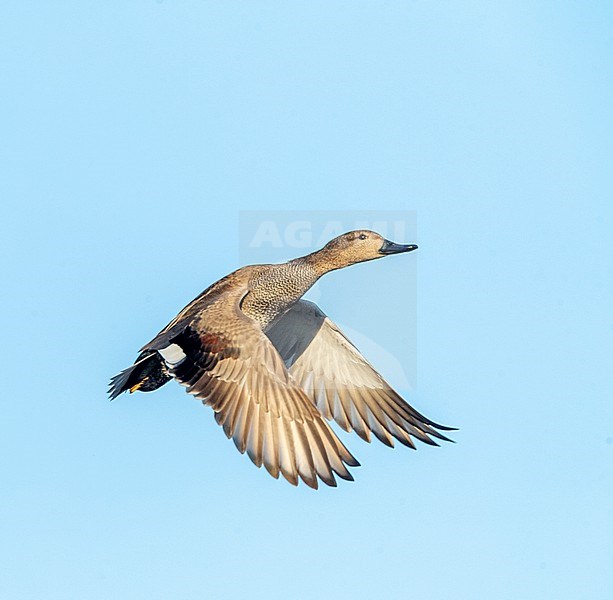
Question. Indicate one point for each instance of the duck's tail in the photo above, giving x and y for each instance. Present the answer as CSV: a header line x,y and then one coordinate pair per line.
x,y
148,373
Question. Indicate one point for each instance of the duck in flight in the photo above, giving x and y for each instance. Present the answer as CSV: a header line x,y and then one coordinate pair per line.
x,y
275,369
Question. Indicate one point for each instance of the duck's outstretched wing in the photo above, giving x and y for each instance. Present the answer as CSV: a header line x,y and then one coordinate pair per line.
x,y
223,358
341,383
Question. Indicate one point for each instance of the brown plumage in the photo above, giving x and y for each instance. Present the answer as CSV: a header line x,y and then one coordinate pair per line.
x,y
273,367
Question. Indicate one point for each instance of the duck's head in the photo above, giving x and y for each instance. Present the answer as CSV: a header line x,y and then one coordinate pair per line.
x,y
358,246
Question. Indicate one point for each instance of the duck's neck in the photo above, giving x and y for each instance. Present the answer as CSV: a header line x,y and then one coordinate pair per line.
x,y
321,262
275,288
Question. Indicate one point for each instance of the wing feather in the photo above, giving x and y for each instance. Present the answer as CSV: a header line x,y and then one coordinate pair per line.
x,y
234,368
341,383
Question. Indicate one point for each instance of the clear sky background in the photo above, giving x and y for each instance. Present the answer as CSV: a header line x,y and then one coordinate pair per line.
x,y
133,134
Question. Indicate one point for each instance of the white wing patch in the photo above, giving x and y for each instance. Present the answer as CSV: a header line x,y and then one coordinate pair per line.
x,y
172,354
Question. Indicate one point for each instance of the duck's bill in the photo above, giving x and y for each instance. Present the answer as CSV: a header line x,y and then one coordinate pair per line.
x,y
392,248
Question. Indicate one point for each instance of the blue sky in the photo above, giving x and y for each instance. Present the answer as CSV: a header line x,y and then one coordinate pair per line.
x,y
133,137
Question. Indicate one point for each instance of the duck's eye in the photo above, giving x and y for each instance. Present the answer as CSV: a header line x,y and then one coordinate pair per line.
x,y
363,236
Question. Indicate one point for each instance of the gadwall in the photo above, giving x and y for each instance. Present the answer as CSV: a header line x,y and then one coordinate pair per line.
x,y
273,367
